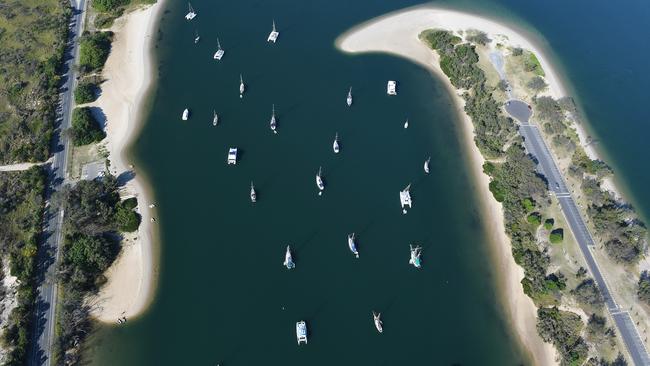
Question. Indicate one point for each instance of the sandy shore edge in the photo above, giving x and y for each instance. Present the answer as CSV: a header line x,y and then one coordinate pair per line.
x,y
128,73
397,33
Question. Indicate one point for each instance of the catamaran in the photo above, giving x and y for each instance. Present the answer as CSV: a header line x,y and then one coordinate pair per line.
x,y
191,14
406,124
197,38
232,156
186,114
319,181
335,145
349,99
215,118
220,52
273,36
301,332
378,324
273,123
391,88
253,194
426,165
405,198
288,260
241,86
352,245
415,256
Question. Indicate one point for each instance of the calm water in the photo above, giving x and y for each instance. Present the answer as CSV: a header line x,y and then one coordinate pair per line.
x,y
224,295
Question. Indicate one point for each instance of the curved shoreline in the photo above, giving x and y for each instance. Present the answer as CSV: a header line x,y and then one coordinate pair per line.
x,y
131,279
397,33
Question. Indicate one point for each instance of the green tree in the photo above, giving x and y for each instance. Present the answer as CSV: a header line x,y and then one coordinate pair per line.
x,y
109,5
93,50
85,128
86,92
556,236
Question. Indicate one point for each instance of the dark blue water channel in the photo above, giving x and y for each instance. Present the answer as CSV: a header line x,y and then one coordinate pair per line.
x,y
223,293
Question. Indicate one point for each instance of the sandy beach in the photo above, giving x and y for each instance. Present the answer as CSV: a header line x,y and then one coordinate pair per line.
x,y
397,33
128,76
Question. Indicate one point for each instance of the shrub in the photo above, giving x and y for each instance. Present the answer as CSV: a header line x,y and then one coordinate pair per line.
x,y
85,93
535,219
126,218
478,37
85,128
556,236
109,5
528,204
537,84
643,290
532,64
93,50
548,224
517,51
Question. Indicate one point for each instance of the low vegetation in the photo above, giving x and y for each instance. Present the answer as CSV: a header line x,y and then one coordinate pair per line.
x,y
643,290
109,10
85,128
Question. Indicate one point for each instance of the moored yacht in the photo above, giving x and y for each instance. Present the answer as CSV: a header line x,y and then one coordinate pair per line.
x,y
391,87
378,323
273,36
415,260
426,165
335,145
186,114
191,13
288,260
232,156
405,198
253,194
406,124
273,123
215,118
349,98
319,181
241,86
301,332
352,245
220,52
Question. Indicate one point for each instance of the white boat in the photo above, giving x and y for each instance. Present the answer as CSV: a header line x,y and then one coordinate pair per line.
x,y
301,332
335,145
191,13
220,52
186,114
253,194
352,245
241,86
197,38
378,324
319,181
273,36
426,165
406,124
349,99
415,256
215,118
391,88
405,198
288,260
273,123
232,156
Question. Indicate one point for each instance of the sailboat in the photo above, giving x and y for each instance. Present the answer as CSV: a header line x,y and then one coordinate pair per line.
x,y
197,38
335,145
215,118
349,99
241,86
319,182
352,245
273,123
405,198
426,165
253,194
406,124
378,323
288,260
186,114
191,13
220,52
415,256
273,36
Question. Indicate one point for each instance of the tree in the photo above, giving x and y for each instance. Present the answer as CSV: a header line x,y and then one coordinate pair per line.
x,y
109,5
93,50
85,128
643,290
556,236
587,292
85,93
563,328
127,219
537,84
478,37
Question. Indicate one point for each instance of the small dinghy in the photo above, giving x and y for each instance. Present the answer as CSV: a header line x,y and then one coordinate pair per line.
x,y
197,38
352,245
186,114
288,260
426,165
406,124
215,118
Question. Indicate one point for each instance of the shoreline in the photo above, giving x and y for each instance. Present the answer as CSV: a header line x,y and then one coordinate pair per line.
x,y
397,33
128,72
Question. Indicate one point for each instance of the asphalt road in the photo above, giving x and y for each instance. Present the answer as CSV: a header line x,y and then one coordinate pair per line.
x,y
536,147
43,336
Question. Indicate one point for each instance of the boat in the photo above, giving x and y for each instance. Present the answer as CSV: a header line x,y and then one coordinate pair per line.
x,y
391,88
186,114
232,156
241,86
405,198
288,260
253,194
220,52
215,118
349,99
273,123
335,145
352,245
415,256
191,13
406,124
378,324
273,36
319,181
197,38
301,332
426,165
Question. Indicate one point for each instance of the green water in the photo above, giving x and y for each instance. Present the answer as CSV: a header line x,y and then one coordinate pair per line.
x,y
223,293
